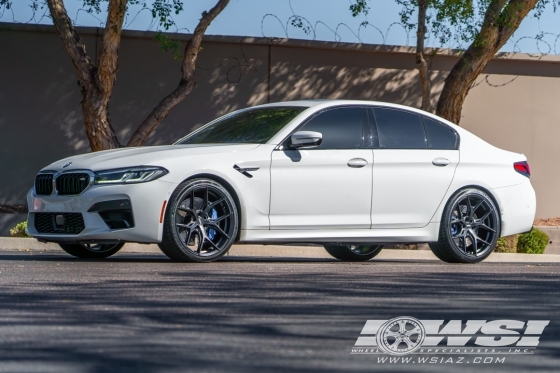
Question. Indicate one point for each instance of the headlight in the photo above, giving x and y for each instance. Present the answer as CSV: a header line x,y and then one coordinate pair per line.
x,y
130,175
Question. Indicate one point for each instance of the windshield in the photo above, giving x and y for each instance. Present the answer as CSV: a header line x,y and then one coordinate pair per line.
x,y
255,126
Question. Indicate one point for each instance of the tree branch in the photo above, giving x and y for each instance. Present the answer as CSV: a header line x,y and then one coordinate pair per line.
x,y
502,18
71,41
421,63
187,83
109,54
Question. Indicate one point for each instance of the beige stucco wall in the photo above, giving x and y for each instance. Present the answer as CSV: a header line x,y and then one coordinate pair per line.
x,y
40,117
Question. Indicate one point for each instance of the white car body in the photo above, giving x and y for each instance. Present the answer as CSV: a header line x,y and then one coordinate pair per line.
x,y
398,197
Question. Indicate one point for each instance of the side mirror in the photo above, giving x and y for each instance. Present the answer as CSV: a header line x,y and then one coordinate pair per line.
x,y
306,139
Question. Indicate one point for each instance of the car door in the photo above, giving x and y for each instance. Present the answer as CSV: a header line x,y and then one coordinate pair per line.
x,y
328,186
414,163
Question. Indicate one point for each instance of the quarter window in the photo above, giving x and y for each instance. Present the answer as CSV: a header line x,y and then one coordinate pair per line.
x,y
439,135
341,128
399,129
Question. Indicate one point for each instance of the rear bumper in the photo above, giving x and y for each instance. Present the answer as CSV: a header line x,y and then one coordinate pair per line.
x,y
518,205
146,203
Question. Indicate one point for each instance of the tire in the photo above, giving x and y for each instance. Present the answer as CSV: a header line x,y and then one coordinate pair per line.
x,y
92,251
469,228
200,231
353,253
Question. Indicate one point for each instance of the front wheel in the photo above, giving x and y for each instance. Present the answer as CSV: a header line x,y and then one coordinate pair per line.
x,y
469,229
352,253
92,251
200,223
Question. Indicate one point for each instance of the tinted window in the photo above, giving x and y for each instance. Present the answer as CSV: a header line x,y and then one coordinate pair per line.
x,y
439,135
250,126
399,129
341,128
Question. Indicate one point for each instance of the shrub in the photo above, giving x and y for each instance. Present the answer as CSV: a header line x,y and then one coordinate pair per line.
x,y
533,242
507,244
19,230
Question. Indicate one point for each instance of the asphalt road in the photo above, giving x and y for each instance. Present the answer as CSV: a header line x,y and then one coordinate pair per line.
x,y
143,313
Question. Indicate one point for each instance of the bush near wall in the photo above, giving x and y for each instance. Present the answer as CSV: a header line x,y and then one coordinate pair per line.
x,y
19,230
533,242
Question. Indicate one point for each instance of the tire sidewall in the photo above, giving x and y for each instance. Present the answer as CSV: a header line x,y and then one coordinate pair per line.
x,y
445,234
178,196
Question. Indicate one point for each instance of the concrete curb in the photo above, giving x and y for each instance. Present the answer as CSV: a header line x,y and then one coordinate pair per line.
x,y
279,251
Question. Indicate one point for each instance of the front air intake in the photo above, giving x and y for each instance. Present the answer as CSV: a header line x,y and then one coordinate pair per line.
x,y
59,223
72,183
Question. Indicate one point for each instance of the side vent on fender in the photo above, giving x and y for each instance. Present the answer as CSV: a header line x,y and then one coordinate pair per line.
x,y
245,171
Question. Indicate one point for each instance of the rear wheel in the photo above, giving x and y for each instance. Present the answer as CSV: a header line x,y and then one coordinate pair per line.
x,y
92,251
351,252
200,223
469,229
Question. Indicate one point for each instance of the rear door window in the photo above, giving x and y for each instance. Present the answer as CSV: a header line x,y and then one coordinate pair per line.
x,y
439,135
399,129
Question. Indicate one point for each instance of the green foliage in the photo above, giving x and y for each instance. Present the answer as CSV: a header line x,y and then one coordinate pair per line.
x,y
19,230
162,12
533,242
457,21
166,44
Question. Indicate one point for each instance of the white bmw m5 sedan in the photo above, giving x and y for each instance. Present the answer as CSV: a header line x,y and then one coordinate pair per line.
x,y
349,175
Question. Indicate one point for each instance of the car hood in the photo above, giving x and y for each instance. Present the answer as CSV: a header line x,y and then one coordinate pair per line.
x,y
145,155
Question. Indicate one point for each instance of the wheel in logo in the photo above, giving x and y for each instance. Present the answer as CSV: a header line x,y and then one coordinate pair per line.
x,y
400,336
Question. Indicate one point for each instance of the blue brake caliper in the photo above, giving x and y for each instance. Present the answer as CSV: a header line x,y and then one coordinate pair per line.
x,y
212,231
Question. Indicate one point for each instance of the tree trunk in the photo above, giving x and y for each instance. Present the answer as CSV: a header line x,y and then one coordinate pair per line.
x,y
187,82
96,81
502,18
421,63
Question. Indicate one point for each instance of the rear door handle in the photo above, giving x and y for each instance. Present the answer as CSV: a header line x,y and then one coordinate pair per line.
x,y
357,162
441,162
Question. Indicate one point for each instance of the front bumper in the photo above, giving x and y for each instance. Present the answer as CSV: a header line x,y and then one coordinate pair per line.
x,y
146,200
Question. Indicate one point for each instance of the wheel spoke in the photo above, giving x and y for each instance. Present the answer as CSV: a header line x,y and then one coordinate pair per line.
x,y
213,244
390,333
478,205
408,342
469,207
193,207
486,215
209,207
473,240
486,227
402,326
215,226
416,330
395,345
221,218
205,200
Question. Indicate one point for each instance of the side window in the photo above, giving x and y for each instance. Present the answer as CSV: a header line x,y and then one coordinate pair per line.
x,y
439,135
399,129
341,128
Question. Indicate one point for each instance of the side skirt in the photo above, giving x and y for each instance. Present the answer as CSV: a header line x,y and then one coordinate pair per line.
x,y
428,233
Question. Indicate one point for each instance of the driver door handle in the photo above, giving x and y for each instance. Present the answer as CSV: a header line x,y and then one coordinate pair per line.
x,y
357,163
441,162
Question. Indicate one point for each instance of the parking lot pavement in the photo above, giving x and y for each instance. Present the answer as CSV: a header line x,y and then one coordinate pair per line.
x,y
143,313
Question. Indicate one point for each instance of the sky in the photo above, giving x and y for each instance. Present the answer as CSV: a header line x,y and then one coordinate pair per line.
x,y
330,19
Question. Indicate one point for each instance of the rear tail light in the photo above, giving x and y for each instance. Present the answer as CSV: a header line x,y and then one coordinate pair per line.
x,y
523,168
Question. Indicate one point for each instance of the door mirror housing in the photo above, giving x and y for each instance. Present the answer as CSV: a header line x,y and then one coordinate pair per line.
x,y
302,139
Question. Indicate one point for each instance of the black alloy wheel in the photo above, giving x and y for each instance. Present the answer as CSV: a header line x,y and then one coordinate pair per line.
x,y
201,222
352,252
469,229
92,251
